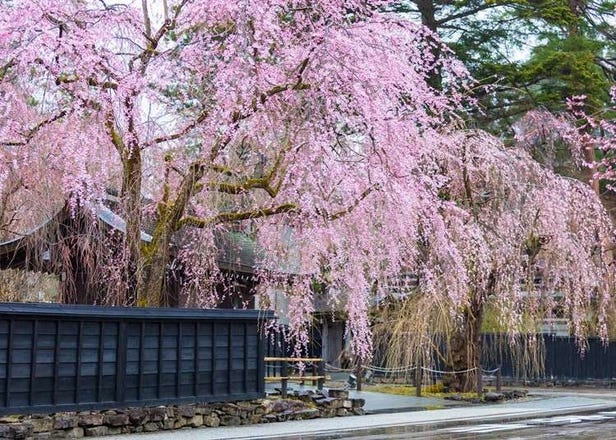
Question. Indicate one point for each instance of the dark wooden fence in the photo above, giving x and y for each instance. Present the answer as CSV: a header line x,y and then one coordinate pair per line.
x,y
557,358
61,357
562,359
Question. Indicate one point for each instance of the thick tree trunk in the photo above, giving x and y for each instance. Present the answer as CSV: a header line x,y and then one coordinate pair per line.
x,y
155,259
464,351
155,256
589,172
427,9
131,201
150,293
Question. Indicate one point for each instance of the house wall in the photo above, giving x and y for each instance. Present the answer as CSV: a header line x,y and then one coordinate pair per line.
x,y
332,345
279,303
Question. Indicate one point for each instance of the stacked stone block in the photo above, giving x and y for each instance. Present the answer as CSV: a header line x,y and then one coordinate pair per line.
x,y
305,405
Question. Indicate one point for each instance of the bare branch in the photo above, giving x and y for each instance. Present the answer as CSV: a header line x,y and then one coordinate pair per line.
x,y
91,82
116,139
146,18
32,132
351,207
153,41
299,84
166,10
5,68
183,132
222,169
469,12
225,217
242,187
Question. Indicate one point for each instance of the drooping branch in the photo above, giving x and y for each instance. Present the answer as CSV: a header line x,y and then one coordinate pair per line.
x,y
468,189
283,88
5,196
238,115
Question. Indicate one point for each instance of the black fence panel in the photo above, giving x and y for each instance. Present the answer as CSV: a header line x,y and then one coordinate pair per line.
x,y
562,358
565,360
69,357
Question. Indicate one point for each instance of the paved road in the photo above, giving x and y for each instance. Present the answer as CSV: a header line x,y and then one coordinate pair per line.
x,y
598,426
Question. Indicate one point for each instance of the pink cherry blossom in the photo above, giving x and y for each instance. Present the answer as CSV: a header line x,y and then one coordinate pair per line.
x,y
313,123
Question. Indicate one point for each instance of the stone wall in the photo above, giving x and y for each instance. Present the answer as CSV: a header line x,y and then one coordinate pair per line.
x,y
307,405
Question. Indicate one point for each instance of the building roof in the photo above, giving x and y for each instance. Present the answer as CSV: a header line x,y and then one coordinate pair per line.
x,y
236,251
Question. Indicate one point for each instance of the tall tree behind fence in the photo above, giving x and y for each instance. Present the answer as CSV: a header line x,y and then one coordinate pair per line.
x,y
55,358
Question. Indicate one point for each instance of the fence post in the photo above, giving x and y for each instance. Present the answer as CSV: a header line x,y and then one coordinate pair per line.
x,y
479,382
499,379
321,373
284,374
418,379
315,370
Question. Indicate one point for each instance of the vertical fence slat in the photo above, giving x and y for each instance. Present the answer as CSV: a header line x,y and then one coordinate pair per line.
x,y
78,354
245,389
178,361
99,370
56,362
33,342
122,344
9,361
141,361
229,356
159,385
196,388
213,355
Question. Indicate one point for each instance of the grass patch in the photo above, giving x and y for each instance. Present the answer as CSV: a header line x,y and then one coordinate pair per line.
x,y
400,390
435,391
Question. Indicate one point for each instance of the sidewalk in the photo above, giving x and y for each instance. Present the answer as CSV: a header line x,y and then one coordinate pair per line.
x,y
381,403
402,421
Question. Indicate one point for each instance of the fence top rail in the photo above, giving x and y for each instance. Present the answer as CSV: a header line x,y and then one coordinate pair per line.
x,y
299,378
291,359
141,313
